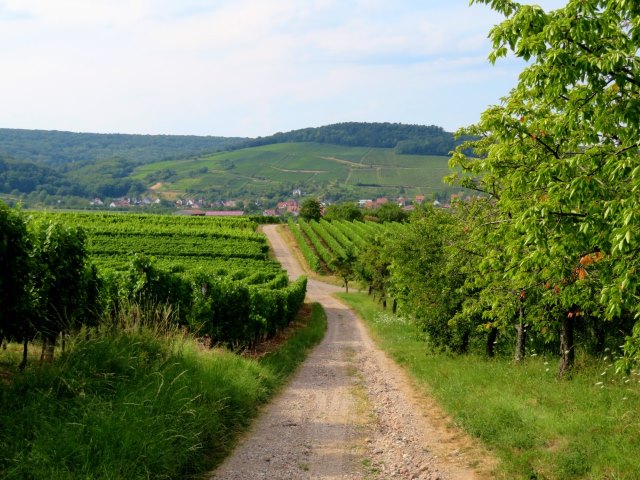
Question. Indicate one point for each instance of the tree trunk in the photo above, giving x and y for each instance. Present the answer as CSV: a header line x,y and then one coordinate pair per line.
x,y
48,348
492,335
521,338
567,351
346,286
464,342
394,308
25,351
384,303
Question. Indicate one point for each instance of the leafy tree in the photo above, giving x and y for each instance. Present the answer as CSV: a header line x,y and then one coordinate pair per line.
x,y
310,209
344,267
560,156
14,275
390,212
343,211
427,273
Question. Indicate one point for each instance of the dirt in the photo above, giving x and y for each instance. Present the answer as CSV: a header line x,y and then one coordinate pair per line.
x,y
351,413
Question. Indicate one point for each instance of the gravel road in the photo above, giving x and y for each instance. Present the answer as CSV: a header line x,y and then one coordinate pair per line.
x,y
350,413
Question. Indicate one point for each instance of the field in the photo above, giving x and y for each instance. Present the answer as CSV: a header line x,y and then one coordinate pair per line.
x,y
214,271
218,246
305,165
321,243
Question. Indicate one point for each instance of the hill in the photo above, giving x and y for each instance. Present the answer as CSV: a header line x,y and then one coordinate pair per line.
x,y
405,139
57,148
272,172
344,161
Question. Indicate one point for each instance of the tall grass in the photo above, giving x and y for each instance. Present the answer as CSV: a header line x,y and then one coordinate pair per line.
x,y
539,427
137,403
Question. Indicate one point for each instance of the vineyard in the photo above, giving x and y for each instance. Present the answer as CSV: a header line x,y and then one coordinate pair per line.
x,y
213,273
322,242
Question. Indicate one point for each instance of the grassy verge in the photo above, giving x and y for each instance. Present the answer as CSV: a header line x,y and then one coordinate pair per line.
x,y
138,405
586,428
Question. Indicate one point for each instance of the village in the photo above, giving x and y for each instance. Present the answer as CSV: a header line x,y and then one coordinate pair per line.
x,y
289,207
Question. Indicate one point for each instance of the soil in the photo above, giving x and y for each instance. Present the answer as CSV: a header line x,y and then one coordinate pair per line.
x,y
351,413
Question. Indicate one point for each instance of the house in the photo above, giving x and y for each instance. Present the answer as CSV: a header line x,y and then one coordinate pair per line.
x,y
419,200
297,192
270,212
230,204
290,206
364,202
96,202
408,208
380,201
119,203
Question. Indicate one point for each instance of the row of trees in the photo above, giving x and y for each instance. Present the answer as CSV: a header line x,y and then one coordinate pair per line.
x,y
553,245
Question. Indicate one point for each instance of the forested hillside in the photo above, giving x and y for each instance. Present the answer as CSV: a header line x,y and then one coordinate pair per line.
x,y
344,161
56,148
405,139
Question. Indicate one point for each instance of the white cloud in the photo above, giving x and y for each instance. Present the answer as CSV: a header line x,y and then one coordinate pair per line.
x,y
243,67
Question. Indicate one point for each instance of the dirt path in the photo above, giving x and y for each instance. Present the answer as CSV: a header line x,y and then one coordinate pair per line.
x,y
350,413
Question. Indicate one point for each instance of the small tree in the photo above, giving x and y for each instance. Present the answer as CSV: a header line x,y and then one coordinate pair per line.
x,y
344,266
343,211
310,209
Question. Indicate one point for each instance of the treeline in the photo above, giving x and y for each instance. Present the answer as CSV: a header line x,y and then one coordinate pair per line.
x,y
56,148
405,139
49,286
458,273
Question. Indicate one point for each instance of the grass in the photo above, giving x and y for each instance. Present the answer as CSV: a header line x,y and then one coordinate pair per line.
x,y
540,428
137,404
260,169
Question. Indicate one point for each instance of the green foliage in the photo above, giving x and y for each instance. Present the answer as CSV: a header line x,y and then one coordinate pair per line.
x,y
15,266
53,147
310,209
311,258
61,279
536,426
140,403
322,251
406,139
344,266
560,157
390,212
343,211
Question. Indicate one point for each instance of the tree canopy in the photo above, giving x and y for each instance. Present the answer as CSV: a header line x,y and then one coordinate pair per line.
x,y
560,155
310,209
406,139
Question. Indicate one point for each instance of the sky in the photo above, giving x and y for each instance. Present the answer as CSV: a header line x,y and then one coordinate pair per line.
x,y
246,67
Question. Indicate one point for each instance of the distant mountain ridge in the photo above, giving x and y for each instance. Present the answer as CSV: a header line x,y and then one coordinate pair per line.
x,y
404,138
55,147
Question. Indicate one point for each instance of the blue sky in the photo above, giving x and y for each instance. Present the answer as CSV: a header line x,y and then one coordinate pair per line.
x,y
245,67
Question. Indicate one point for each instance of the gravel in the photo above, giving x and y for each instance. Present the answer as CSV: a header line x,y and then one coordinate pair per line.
x,y
350,413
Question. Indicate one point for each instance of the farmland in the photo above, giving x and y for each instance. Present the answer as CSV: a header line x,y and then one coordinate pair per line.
x,y
310,166
214,272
